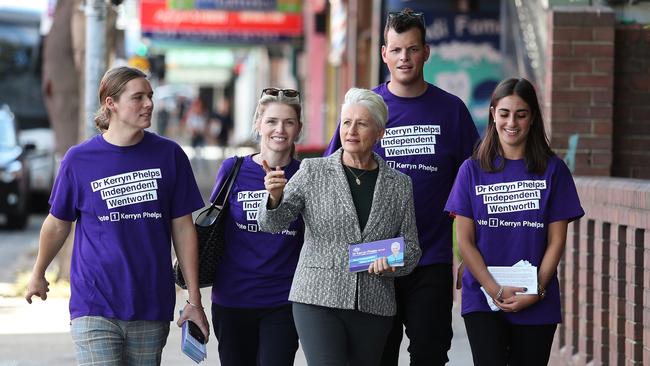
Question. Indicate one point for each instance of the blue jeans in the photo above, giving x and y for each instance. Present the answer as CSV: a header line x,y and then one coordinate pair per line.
x,y
103,341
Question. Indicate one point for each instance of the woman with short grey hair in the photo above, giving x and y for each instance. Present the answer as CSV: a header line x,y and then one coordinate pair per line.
x,y
372,101
351,197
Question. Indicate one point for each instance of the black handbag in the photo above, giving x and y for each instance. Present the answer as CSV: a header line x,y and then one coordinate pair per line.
x,y
210,233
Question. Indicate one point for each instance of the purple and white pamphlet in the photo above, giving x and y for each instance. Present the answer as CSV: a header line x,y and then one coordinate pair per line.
x,y
361,255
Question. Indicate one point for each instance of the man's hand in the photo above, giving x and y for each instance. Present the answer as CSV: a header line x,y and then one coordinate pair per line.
x,y
37,286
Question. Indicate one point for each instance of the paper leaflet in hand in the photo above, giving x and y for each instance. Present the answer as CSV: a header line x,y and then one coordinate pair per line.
x,y
361,255
521,274
191,346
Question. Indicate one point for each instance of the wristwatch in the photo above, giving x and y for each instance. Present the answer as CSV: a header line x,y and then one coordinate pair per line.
x,y
541,292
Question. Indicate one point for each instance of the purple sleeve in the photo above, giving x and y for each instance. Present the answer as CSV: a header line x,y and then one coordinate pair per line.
x,y
64,197
564,201
187,197
222,174
335,143
459,201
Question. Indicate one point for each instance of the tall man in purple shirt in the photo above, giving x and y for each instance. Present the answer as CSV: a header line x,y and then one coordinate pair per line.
x,y
429,134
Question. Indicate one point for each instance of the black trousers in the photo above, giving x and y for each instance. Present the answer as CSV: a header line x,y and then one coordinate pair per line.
x,y
495,341
255,337
424,302
340,337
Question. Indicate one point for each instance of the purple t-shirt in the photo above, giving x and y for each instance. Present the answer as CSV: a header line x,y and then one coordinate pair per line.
x,y
427,138
512,210
124,199
257,268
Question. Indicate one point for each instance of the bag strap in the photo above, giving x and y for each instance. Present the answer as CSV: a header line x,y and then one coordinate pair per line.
x,y
227,185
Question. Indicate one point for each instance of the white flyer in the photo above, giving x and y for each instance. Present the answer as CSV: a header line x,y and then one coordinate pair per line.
x,y
521,274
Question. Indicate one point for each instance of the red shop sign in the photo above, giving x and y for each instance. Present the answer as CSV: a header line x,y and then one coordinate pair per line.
x,y
155,16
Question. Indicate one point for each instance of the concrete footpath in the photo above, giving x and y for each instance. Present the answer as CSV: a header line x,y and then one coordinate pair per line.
x,y
38,334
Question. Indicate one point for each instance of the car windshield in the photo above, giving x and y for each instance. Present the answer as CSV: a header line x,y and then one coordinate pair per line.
x,y
20,65
16,47
7,133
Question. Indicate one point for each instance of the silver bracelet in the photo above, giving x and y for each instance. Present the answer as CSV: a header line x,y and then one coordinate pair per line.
x,y
194,305
499,297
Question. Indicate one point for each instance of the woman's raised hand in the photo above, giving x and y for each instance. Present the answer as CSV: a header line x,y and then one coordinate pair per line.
x,y
274,182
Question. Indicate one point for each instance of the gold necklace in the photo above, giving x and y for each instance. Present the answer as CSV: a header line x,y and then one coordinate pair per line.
x,y
356,177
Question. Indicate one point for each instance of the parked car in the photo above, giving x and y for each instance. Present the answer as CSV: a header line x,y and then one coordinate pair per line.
x,y
42,166
14,172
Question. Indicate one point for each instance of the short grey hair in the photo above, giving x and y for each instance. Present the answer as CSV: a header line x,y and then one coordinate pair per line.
x,y
372,101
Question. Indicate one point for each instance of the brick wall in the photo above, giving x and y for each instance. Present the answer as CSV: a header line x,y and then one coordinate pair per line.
x,y
598,86
605,277
580,84
632,102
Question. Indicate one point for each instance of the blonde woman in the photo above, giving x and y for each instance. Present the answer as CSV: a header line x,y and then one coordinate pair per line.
x,y
250,308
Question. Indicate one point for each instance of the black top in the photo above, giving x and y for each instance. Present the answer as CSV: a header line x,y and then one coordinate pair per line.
x,y
362,193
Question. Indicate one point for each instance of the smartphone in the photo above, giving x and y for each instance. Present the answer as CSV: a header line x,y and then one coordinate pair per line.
x,y
196,332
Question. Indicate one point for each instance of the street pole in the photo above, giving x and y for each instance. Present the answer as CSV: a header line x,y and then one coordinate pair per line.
x,y
95,60
353,34
375,43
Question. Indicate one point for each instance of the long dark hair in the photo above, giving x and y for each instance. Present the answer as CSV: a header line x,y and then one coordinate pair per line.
x,y
538,150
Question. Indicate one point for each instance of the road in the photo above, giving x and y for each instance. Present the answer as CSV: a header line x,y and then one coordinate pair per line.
x,y
16,245
38,334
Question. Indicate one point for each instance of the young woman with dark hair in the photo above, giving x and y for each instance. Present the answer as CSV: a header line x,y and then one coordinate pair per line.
x,y
537,152
512,202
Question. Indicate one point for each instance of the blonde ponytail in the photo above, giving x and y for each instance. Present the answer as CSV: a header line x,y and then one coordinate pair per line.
x,y
102,118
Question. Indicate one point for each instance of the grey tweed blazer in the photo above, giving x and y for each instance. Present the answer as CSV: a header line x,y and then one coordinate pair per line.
x,y
320,192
